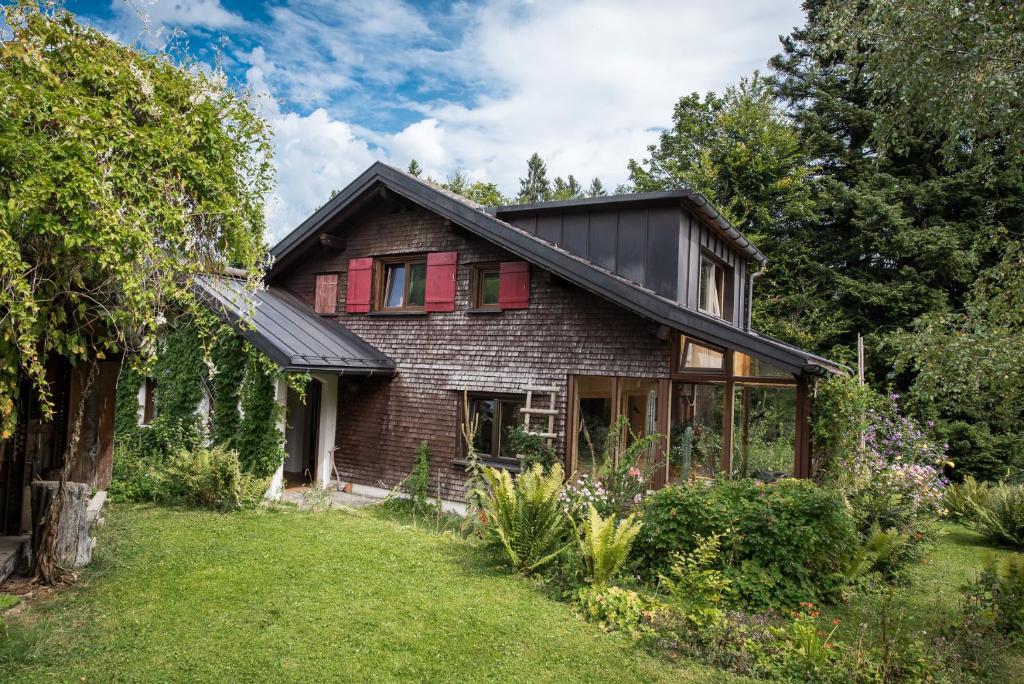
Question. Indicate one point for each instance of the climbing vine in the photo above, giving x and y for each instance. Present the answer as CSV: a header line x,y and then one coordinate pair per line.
x,y
260,444
198,358
229,363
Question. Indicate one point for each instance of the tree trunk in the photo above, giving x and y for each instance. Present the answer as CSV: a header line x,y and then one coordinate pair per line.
x,y
46,570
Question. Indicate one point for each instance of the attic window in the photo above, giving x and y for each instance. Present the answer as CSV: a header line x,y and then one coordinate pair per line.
x,y
711,292
700,357
486,287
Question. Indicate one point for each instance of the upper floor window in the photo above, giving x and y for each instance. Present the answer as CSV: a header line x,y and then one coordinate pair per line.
x,y
487,287
402,284
697,356
711,290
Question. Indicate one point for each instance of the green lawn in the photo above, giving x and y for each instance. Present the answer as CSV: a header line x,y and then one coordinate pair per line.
x,y
931,601
285,596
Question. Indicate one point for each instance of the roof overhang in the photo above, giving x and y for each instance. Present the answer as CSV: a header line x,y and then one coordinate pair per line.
x,y
288,331
569,267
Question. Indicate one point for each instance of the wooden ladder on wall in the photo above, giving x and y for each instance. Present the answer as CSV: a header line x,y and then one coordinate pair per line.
x,y
530,410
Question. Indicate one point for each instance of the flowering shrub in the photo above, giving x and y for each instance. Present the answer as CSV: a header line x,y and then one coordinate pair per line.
x,y
585,491
896,481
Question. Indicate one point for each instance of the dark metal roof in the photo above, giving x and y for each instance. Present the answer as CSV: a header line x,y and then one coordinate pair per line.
x,y
287,330
618,290
692,199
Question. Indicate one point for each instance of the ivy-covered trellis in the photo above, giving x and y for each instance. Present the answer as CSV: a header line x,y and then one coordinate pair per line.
x,y
204,357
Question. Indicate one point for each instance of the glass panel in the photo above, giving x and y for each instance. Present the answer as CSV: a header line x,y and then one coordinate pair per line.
x,y
709,295
417,284
484,409
695,448
638,402
701,357
509,416
394,285
489,287
750,367
595,421
764,433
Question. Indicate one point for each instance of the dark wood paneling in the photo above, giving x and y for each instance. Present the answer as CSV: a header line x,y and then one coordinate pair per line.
x,y
631,262
549,227
603,238
575,231
527,223
663,251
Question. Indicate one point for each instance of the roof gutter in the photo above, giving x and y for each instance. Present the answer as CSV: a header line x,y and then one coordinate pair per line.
x,y
715,216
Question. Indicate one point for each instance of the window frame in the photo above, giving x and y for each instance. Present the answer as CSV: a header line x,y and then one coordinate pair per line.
x,y
679,369
477,287
381,266
721,276
498,397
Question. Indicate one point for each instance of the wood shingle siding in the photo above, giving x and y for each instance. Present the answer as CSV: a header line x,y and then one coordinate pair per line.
x,y
565,330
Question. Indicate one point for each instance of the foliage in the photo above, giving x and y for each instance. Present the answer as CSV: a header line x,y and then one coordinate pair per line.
x,y
566,189
229,361
531,448
620,475
210,477
839,419
476,482
994,602
695,586
525,517
946,66
605,543
259,442
122,175
999,513
417,484
782,543
961,498
884,552
485,194
535,187
614,608
967,368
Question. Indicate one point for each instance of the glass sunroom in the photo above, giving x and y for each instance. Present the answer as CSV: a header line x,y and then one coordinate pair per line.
x,y
721,410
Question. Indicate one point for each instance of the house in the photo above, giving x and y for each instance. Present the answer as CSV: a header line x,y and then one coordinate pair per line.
x,y
399,297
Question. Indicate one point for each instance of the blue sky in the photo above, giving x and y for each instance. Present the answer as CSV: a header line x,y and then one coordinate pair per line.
x,y
471,86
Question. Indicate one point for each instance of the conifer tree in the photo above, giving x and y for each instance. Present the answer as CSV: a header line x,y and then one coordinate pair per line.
x,y
535,187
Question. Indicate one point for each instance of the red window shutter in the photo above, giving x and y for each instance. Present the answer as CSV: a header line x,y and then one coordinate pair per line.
x,y
514,285
440,295
326,301
360,277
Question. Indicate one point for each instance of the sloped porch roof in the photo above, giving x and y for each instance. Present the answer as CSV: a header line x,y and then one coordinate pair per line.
x,y
287,330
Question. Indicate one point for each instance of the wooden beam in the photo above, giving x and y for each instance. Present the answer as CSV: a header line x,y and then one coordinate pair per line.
x,y
663,332
333,241
662,423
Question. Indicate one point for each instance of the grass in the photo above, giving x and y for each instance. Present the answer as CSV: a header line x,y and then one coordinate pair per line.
x,y
288,596
931,602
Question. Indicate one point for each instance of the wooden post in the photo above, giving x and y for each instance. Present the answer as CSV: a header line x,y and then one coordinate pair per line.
x,y
727,419
745,438
662,422
802,465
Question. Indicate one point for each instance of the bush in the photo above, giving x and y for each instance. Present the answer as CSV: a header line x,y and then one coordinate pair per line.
x,y
526,518
614,608
605,545
960,499
999,514
417,484
782,543
205,477
996,599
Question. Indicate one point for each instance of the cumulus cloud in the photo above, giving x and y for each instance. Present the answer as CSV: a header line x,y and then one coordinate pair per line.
x,y
475,87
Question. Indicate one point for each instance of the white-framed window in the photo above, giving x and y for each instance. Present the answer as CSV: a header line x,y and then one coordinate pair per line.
x,y
711,288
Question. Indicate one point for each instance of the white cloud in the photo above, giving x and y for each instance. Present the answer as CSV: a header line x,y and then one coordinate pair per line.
x,y
153,22
586,84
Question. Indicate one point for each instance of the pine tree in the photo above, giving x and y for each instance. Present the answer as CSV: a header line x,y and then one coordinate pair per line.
x,y
567,189
414,168
596,188
535,187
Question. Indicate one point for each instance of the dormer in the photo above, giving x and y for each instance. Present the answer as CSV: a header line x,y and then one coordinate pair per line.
x,y
673,243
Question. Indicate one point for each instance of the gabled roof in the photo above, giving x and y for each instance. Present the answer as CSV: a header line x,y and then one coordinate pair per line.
x,y
475,219
287,330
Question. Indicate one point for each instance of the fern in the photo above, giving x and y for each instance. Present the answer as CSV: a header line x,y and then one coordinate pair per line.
x,y
1000,514
605,545
525,515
